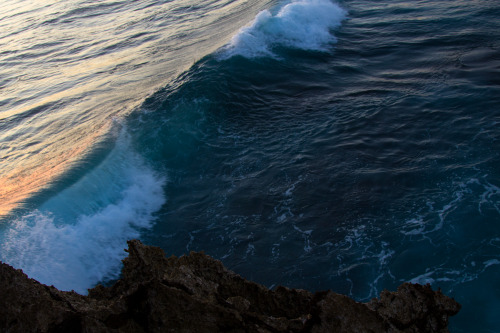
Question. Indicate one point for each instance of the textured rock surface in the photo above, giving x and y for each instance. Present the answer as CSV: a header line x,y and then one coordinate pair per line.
x,y
195,293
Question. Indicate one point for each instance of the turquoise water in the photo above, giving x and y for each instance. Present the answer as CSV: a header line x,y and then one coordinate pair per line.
x,y
349,146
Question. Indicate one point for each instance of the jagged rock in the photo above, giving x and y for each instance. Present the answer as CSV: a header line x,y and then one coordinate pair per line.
x,y
196,293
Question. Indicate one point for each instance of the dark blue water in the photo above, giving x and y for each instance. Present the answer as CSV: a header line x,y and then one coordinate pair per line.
x,y
319,149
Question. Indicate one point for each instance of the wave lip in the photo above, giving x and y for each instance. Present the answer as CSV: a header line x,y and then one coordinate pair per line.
x,y
301,24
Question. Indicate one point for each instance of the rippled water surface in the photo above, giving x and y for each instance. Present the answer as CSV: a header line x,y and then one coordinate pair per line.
x,y
349,146
69,68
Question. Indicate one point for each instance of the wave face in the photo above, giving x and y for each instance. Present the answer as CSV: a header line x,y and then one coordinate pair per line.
x,y
69,69
76,238
73,188
347,146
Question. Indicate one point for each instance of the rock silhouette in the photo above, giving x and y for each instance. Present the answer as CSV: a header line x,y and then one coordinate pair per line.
x,y
196,293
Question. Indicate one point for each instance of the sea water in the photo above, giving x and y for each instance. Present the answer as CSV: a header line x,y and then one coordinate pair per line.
x,y
348,145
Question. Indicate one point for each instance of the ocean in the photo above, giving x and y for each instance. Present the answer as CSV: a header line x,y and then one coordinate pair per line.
x,y
350,145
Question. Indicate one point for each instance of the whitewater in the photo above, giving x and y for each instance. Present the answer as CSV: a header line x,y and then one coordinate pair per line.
x,y
315,144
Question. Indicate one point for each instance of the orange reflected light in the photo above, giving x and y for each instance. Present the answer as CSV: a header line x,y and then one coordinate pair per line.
x,y
18,185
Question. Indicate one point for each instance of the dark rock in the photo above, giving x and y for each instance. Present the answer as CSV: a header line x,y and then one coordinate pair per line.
x,y
196,293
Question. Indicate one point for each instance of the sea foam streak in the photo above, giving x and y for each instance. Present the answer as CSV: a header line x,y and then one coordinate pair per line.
x,y
70,249
302,24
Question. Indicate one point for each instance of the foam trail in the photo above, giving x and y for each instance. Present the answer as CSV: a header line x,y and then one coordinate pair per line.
x,y
77,253
302,24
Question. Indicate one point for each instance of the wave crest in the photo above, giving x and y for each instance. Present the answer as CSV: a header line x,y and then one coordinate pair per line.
x,y
74,247
302,24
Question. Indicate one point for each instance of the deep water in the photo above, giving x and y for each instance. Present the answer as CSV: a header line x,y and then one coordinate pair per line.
x,y
349,146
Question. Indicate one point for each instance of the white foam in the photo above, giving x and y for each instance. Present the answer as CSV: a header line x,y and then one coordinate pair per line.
x,y
306,234
424,278
488,197
491,262
77,254
384,256
418,226
463,192
302,24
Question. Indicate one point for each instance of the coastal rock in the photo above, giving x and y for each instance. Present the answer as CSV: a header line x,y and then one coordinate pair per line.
x,y
196,293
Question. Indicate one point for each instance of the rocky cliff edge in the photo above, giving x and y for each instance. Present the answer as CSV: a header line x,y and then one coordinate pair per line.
x,y
196,293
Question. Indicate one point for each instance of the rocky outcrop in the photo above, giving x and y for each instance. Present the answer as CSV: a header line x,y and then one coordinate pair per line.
x,y
196,293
